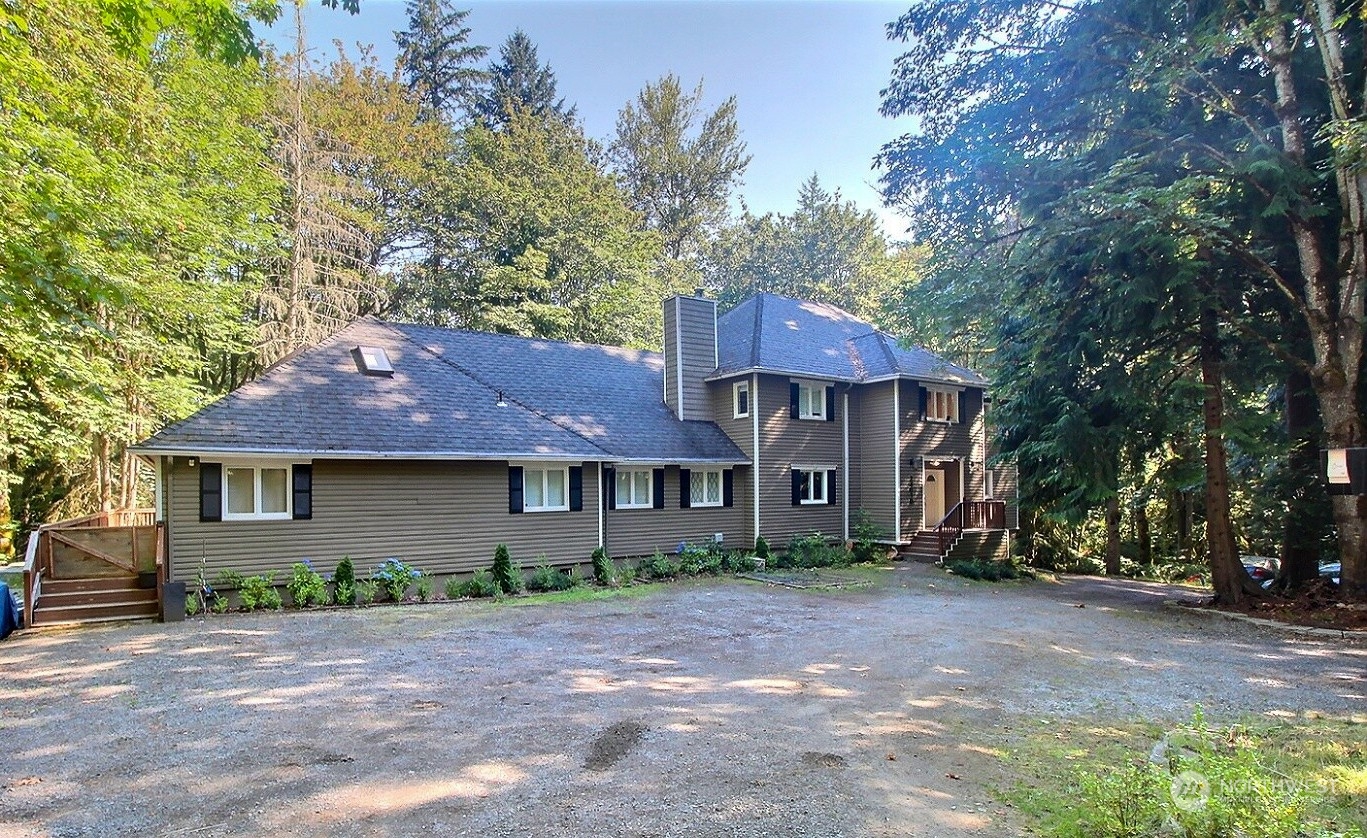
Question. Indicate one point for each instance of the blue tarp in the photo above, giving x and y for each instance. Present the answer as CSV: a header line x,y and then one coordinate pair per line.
x,y
9,612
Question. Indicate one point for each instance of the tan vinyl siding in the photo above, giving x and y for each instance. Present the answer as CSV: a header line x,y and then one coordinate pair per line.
x,y
640,532
444,517
1005,484
742,433
671,352
690,325
872,447
961,441
785,441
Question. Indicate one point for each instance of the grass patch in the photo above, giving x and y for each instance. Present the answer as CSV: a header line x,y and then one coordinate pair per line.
x,y
583,593
1302,778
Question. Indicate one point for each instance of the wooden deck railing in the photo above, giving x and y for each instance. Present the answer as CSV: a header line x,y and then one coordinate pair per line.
x,y
38,559
970,515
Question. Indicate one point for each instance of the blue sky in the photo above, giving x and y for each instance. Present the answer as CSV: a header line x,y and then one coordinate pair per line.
x,y
806,75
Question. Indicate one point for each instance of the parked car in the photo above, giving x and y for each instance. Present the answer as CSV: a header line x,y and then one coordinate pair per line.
x,y
1330,571
1262,569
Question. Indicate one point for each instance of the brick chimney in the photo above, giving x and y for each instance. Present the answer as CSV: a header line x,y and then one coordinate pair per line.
x,y
690,353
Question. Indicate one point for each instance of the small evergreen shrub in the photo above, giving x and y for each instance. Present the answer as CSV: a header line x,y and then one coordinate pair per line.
x,y
306,587
547,578
761,548
482,584
228,579
658,566
394,578
624,575
366,591
504,573
191,606
866,537
603,569
344,578
424,588
259,592
454,588
736,561
811,551
219,605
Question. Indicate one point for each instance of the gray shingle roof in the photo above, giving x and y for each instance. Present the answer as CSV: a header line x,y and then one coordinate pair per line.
x,y
772,333
565,401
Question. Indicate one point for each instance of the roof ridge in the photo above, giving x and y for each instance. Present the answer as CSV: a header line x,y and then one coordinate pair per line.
x,y
524,338
486,385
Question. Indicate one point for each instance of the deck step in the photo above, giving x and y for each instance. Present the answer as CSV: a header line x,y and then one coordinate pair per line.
x,y
97,583
44,615
94,600
53,599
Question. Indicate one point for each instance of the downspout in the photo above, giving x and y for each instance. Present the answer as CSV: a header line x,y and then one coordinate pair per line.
x,y
845,481
897,460
160,496
754,443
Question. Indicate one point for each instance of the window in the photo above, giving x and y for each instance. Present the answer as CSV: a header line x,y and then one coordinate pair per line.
x,y
811,401
811,486
373,360
705,488
740,399
256,492
634,489
942,405
545,489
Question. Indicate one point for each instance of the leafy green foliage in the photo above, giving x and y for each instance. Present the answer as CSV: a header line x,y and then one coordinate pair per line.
x,y
867,534
395,577
518,82
761,548
435,57
481,584
424,588
505,575
604,571
658,566
366,591
547,578
812,550
986,570
306,586
259,592
345,580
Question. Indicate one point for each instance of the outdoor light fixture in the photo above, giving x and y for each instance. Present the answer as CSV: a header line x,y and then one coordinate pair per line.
x,y
500,402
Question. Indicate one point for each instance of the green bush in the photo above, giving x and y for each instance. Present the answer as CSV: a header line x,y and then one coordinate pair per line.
x,y
603,568
345,580
229,579
259,592
547,578
366,591
306,587
219,604
624,575
658,566
453,588
482,584
395,577
191,606
867,535
424,588
761,548
505,575
985,569
811,551
736,561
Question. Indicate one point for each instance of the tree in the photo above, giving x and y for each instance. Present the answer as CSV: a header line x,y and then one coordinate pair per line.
x,y
518,81
827,250
1231,117
435,57
544,243
679,179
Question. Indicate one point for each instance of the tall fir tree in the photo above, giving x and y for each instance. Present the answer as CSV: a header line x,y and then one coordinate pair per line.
x,y
518,81
436,59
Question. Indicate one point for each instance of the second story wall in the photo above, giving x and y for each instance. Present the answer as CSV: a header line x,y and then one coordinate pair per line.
x,y
690,355
786,442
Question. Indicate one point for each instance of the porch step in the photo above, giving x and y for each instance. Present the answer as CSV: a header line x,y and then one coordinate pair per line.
x,y
924,546
65,601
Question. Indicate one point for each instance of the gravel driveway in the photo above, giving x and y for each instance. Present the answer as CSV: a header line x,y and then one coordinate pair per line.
x,y
717,707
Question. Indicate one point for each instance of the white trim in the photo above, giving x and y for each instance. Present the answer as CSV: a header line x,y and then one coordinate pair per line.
x,y
815,466
296,455
877,379
953,397
678,352
735,400
716,354
160,499
897,462
754,445
602,505
721,488
825,499
257,493
845,473
650,488
812,386
963,471
545,468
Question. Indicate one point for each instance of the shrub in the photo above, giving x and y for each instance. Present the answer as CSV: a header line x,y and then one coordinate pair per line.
x,y
305,586
761,548
424,589
693,558
603,569
547,578
345,579
394,577
191,606
229,579
220,604
366,591
985,569
866,537
503,570
736,561
453,588
624,574
259,592
658,566
810,551
482,584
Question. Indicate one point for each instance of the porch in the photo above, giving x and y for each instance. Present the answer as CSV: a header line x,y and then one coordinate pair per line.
x,y
972,529
102,567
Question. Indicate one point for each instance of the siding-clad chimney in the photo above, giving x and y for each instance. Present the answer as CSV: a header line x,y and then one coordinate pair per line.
x,y
690,354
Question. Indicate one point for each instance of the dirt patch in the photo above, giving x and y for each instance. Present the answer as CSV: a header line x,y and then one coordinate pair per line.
x,y
613,744
1317,606
818,760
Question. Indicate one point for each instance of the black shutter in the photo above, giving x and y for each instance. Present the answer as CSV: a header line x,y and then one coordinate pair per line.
x,y
210,491
830,404
303,492
797,487
923,393
609,488
830,487
685,488
657,488
963,405
576,488
514,489
728,487
792,399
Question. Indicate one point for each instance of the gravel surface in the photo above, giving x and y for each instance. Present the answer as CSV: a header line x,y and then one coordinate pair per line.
x,y
716,707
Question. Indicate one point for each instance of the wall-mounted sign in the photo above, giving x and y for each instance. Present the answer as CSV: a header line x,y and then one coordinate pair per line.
x,y
1336,471
1345,470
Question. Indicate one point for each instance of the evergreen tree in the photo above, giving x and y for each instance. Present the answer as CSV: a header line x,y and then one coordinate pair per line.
x,y
435,59
518,81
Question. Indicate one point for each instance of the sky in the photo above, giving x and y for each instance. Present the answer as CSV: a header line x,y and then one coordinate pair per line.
x,y
805,75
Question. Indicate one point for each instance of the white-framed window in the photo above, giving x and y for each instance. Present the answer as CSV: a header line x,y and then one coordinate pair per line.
x,y
812,488
635,488
256,491
740,399
704,487
942,405
811,400
546,488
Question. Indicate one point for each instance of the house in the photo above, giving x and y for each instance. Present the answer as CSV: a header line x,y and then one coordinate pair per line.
x,y
780,417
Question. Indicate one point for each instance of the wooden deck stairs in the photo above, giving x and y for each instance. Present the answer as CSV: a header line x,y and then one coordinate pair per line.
x,y
100,568
973,529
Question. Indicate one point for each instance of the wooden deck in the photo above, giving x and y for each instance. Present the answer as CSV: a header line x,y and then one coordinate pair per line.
x,y
107,566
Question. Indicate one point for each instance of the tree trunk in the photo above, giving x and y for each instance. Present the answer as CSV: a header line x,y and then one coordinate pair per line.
x,y
1113,535
1300,530
1141,532
1230,580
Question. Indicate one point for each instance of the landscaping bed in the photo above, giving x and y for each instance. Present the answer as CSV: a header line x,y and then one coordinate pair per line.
x,y
1314,606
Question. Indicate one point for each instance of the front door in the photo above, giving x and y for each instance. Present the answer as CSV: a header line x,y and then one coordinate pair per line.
x,y
935,496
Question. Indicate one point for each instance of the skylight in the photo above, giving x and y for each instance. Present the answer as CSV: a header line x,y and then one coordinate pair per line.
x,y
372,360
